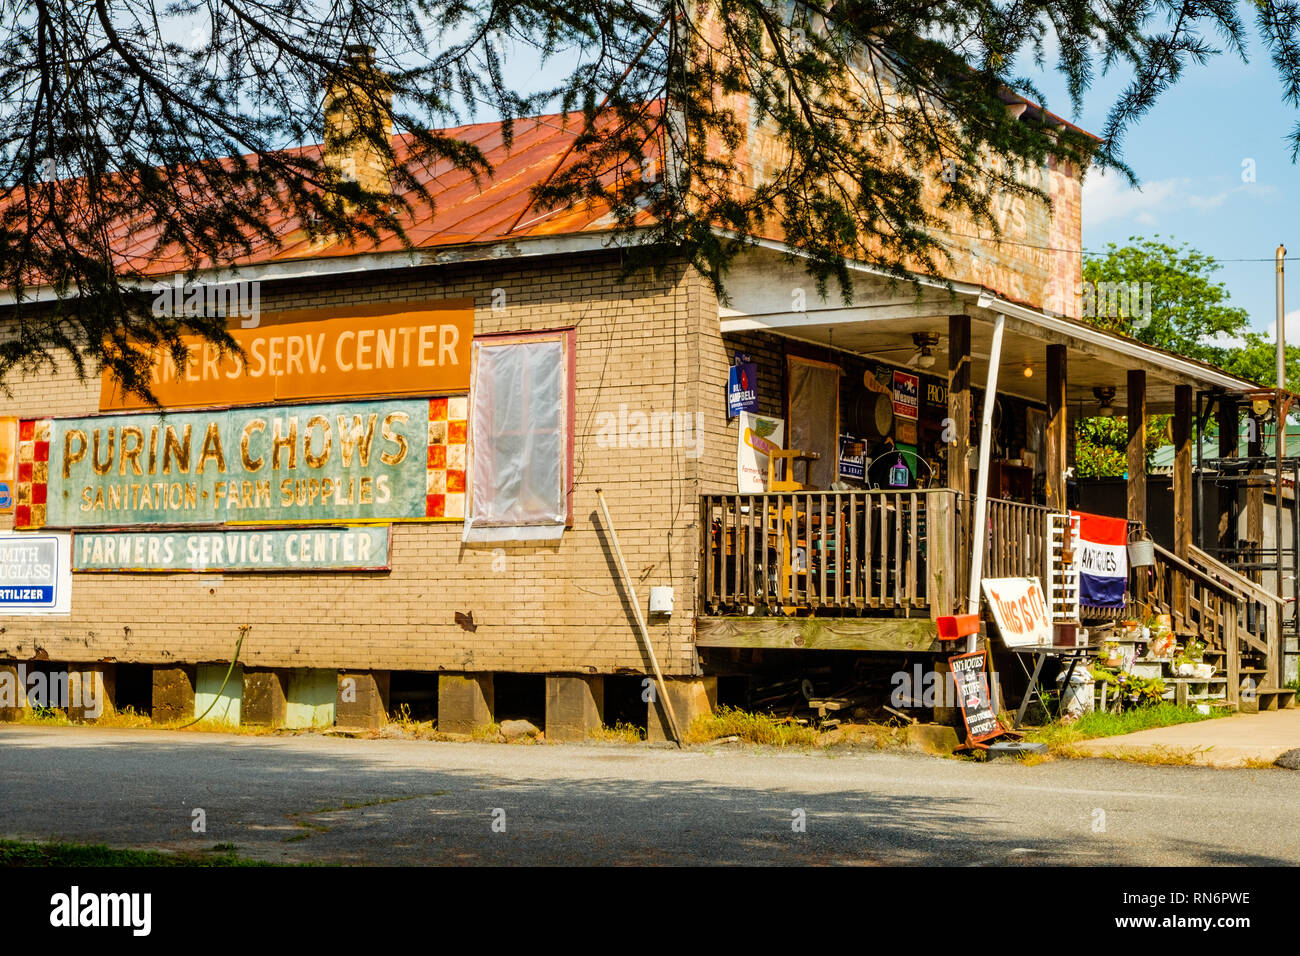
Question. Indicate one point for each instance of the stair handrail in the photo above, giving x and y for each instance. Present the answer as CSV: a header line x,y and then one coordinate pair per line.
x,y
1234,577
1192,571
1248,590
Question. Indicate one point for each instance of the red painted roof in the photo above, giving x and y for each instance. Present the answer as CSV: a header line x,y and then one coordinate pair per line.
x,y
463,211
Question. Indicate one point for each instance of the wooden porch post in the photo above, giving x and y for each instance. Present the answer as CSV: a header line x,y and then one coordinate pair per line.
x,y
1229,424
1182,488
1137,461
959,408
1137,445
1057,428
958,438
1255,497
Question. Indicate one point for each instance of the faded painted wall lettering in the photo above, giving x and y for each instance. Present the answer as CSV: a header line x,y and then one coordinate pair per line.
x,y
420,348
232,550
362,461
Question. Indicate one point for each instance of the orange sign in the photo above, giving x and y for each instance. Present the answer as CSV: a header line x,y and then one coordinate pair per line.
x,y
389,348
8,463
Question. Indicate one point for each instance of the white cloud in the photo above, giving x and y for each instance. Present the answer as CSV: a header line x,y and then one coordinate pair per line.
x,y
1107,196
1222,340
1208,202
1292,327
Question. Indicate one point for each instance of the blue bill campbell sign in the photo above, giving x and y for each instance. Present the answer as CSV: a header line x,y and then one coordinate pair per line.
x,y
742,387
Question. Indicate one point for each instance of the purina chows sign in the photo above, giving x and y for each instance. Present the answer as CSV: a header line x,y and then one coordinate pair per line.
x,y
395,460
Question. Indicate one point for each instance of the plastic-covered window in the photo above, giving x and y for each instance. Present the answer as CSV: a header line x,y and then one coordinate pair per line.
x,y
518,440
814,399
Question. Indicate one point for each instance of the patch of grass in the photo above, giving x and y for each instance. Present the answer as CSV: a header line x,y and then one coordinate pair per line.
x,y
409,725
25,853
880,736
126,717
751,728
621,732
377,802
1156,756
1257,763
218,727
58,717
487,732
308,827
45,717
1059,737
1031,759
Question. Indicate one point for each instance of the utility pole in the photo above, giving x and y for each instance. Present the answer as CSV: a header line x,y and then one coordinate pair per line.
x,y
1281,317
1277,665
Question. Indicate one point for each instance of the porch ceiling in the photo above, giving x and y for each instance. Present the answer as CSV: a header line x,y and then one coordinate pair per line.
x,y
768,292
890,340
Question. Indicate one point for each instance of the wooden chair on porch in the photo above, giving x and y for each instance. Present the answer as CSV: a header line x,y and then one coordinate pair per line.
x,y
785,526
788,456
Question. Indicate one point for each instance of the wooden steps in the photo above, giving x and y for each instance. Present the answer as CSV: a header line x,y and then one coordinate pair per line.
x,y
1267,698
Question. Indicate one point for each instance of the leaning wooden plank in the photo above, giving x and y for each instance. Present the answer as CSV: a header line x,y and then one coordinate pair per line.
x,y
640,621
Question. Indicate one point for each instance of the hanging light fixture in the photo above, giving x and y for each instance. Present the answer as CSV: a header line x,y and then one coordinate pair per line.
x,y
925,343
1105,395
1029,370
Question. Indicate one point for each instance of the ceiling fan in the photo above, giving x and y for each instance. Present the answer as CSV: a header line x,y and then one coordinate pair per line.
x,y
923,346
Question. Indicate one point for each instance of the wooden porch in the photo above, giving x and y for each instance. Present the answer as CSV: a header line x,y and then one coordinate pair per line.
x,y
872,570
851,570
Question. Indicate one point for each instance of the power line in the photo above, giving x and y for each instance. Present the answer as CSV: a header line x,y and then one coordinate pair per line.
x,y
1089,254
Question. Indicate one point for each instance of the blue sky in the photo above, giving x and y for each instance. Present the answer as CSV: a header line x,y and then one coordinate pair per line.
x,y
1188,154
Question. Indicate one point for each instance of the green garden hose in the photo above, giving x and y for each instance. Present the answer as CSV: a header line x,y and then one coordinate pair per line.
x,y
243,632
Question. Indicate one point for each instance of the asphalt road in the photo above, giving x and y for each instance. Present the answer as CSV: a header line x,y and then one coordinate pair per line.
x,y
413,802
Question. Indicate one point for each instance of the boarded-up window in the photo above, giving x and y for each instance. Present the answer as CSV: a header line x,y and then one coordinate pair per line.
x,y
520,424
814,417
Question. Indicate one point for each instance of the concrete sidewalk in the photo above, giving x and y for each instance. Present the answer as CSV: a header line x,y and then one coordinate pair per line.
x,y
1238,741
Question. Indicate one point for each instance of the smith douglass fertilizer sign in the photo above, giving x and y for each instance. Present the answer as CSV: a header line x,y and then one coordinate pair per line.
x,y
305,464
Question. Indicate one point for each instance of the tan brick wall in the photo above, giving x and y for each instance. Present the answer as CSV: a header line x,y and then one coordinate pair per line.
x,y
651,343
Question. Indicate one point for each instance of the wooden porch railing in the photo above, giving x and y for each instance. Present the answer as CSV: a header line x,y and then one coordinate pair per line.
x,y
1016,544
830,552
1259,621
1211,601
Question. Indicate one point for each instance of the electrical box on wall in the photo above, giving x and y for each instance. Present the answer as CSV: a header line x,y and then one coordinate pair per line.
x,y
661,600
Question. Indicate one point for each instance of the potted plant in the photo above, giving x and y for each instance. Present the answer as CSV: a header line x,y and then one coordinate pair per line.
x,y
1111,654
1142,690
1190,661
1152,690
1162,639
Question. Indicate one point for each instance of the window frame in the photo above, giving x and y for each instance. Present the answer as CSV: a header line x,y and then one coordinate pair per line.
x,y
567,337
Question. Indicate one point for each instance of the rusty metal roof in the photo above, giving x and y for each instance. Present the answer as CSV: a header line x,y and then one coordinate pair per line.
x,y
495,207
